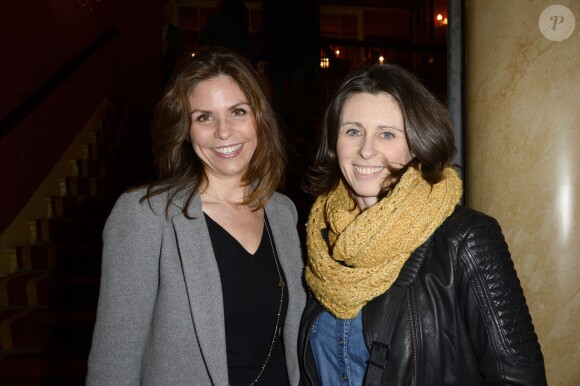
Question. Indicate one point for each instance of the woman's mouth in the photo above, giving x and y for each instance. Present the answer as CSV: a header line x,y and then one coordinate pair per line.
x,y
228,151
368,170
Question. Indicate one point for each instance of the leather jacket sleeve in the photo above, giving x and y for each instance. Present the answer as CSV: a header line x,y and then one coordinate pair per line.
x,y
498,321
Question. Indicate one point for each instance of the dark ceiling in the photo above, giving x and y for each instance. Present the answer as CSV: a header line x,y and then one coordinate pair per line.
x,y
373,3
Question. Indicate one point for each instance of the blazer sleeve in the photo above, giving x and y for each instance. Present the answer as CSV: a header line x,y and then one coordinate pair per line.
x,y
283,217
129,280
495,310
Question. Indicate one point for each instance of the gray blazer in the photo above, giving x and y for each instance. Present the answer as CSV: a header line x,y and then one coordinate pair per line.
x,y
160,317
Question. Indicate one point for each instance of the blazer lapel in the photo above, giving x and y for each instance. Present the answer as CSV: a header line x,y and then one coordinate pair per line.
x,y
287,247
204,290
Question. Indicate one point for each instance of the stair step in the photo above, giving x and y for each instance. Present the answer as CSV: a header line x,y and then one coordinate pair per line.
x,y
42,368
128,121
131,124
44,288
73,231
80,206
40,328
61,258
94,186
119,152
139,138
114,169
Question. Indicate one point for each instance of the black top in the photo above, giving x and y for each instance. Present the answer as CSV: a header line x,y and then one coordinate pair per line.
x,y
251,292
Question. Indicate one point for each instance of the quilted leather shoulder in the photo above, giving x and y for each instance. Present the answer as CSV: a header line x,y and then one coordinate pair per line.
x,y
483,253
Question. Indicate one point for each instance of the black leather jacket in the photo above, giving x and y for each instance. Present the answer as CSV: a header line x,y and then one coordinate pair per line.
x,y
463,319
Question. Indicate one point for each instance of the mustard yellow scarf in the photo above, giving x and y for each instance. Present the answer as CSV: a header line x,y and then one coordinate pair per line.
x,y
366,250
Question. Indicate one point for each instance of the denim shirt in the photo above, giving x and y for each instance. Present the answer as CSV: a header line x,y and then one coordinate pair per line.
x,y
339,350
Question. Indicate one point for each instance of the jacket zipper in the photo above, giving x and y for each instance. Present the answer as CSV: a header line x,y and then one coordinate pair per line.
x,y
414,339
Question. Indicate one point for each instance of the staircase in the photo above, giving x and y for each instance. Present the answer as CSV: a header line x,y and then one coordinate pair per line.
x,y
48,306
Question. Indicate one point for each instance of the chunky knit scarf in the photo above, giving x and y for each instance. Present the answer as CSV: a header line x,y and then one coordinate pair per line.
x,y
366,250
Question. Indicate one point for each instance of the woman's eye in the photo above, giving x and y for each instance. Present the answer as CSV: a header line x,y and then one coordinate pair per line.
x,y
239,112
203,118
352,132
387,135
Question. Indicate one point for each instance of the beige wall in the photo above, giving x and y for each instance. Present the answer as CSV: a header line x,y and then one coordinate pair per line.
x,y
523,156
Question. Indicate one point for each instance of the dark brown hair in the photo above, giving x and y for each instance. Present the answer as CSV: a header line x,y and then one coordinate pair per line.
x,y
179,168
428,127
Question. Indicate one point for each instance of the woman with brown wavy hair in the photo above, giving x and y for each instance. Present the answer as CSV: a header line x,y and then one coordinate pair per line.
x,y
201,279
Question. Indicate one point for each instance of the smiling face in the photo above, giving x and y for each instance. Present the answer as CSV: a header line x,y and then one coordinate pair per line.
x,y
370,134
223,129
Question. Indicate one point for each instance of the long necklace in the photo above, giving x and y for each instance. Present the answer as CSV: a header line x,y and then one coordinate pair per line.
x,y
281,285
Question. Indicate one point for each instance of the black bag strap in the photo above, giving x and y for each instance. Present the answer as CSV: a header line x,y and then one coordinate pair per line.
x,y
381,346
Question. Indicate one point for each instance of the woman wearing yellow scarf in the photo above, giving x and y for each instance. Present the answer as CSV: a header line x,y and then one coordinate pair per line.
x,y
408,287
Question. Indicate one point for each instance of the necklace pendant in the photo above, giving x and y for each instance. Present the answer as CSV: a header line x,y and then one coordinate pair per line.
x,y
281,284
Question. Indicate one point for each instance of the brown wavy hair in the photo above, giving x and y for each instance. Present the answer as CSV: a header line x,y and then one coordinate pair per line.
x,y
179,169
427,123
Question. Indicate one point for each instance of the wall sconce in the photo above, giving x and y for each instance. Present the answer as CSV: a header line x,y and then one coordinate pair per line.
x,y
381,59
441,20
324,62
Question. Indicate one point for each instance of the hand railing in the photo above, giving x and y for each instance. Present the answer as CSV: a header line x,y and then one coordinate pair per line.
x,y
29,105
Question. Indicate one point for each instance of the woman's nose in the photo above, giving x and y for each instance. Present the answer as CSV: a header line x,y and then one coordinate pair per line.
x,y
223,129
367,147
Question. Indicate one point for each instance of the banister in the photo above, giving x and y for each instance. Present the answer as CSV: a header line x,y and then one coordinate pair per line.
x,y
29,105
